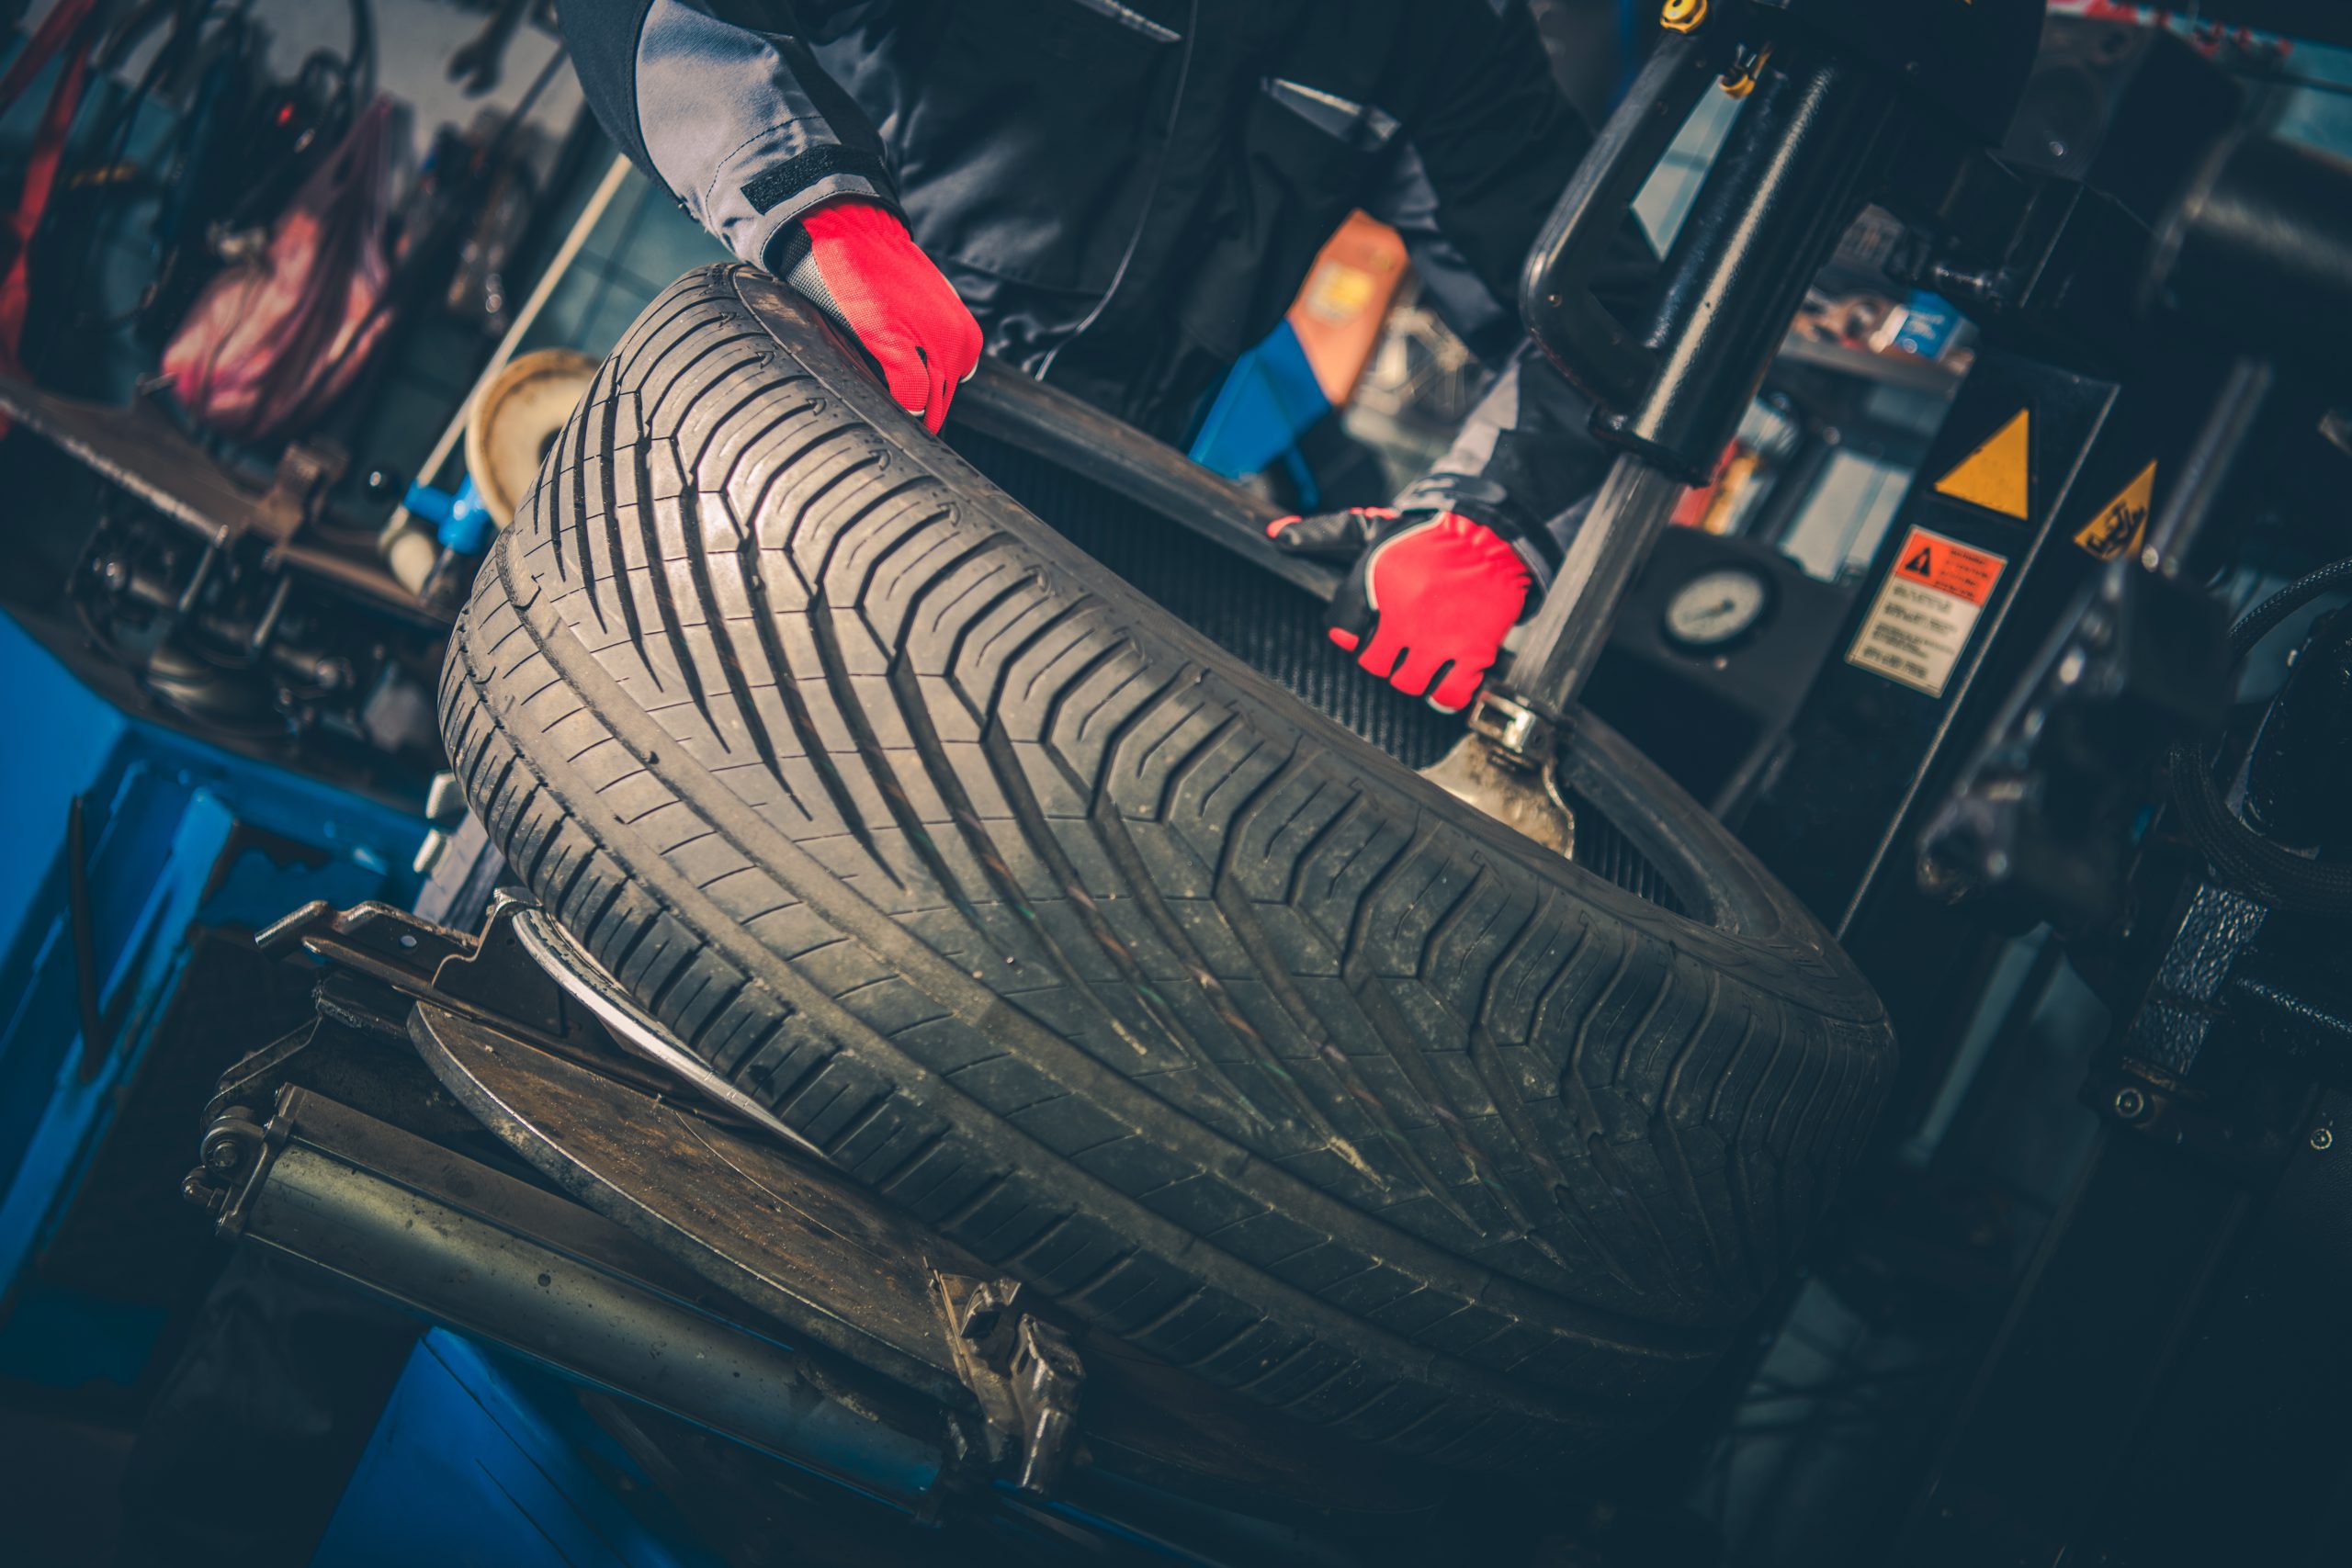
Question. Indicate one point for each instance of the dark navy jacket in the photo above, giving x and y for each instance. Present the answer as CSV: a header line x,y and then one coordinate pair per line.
x,y
1129,193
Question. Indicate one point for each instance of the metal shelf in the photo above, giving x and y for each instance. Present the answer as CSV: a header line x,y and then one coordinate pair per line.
x,y
1905,370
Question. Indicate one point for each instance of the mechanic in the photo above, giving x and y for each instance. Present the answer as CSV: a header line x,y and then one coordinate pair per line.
x,y
1121,200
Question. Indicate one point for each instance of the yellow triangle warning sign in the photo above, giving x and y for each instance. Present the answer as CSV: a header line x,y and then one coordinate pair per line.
x,y
1997,475
2122,522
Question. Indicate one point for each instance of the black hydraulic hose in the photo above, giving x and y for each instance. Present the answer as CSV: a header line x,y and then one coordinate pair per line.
x,y
2246,860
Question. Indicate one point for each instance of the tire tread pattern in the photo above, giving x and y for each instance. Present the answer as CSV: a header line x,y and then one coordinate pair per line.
x,y
1049,921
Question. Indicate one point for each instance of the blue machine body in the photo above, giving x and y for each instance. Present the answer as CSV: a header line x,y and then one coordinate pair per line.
x,y
1269,400
480,1458
176,834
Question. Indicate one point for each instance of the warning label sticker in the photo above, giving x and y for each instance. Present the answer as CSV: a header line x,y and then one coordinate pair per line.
x,y
1919,625
2123,522
1998,475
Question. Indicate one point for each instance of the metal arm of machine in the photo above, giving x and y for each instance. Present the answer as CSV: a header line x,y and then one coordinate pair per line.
x,y
1592,347
1838,95
2257,249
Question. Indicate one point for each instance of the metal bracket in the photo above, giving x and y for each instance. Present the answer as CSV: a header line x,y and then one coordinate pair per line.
x,y
1522,732
1508,766
298,490
236,1154
490,977
497,979
1023,1371
2150,1103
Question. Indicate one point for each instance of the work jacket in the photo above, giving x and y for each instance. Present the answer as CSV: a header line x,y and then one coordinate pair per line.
x,y
1128,194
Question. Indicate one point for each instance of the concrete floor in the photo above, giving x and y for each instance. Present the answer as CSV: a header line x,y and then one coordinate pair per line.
x,y
65,1477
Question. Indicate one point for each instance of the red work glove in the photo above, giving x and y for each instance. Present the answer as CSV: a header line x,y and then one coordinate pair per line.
x,y
861,267
1429,601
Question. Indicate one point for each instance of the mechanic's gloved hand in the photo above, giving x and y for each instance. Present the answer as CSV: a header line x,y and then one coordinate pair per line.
x,y
1429,601
855,261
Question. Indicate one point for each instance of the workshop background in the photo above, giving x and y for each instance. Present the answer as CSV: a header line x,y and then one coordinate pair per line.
x,y
238,520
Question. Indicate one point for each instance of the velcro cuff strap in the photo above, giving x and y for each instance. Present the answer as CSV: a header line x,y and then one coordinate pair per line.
x,y
779,183
1539,566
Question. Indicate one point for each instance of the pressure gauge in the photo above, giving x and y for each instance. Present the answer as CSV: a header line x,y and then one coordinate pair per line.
x,y
1717,608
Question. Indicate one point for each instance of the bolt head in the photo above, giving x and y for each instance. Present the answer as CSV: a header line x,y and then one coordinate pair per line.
x,y
2130,1103
1683,16
2322,1140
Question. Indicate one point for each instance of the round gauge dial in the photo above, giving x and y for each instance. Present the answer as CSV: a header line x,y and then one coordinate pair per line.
x,y
1717,608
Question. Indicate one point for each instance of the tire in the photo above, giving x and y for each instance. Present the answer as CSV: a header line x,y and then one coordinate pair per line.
x,y
1112,961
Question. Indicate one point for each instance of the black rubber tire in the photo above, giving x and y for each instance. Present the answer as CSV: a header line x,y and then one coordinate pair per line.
x,y
1112,961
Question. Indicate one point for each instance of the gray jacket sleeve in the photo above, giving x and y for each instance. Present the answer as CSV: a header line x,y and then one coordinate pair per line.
x,y
1525,464
724,103
1469,192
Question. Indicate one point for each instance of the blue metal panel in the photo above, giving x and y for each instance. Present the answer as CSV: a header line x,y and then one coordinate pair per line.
x,y
54,738
1269,400
168,823
479,1459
